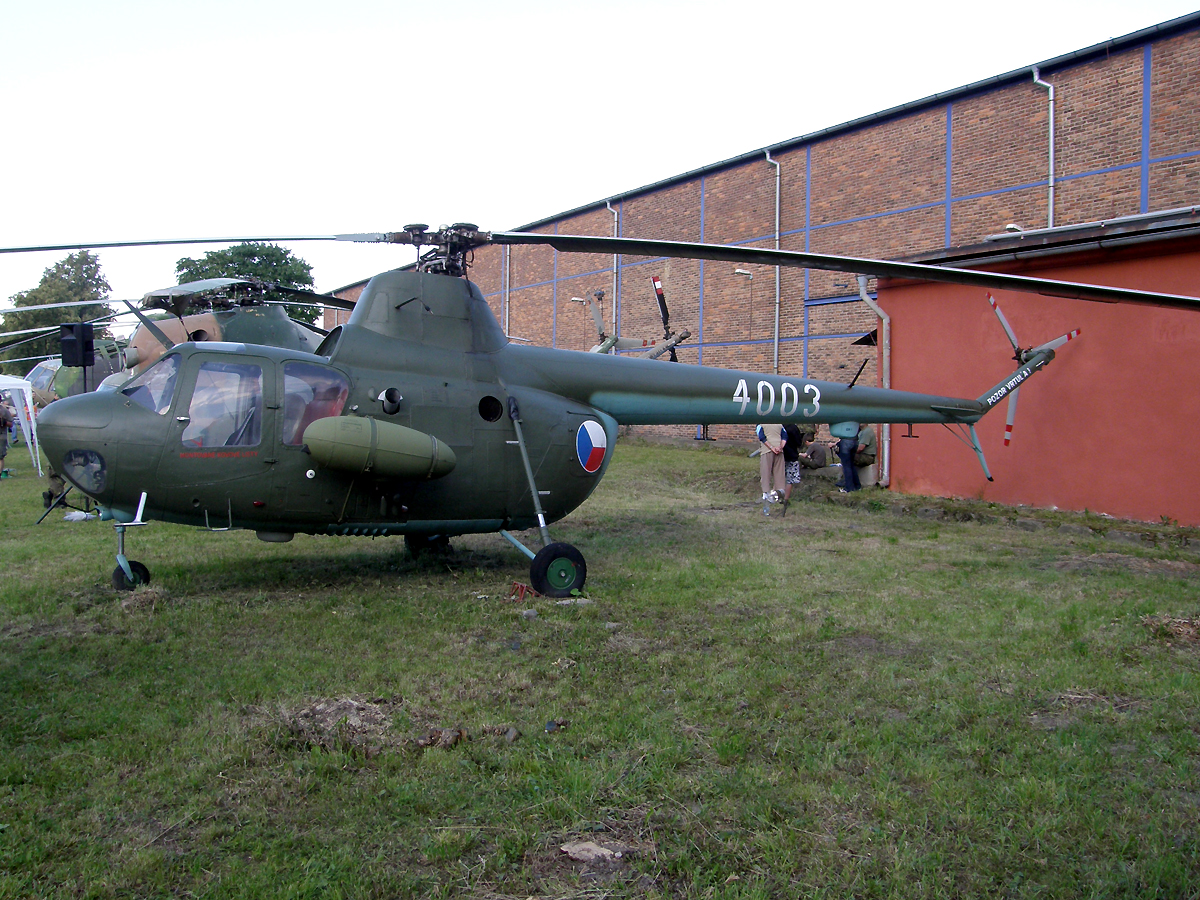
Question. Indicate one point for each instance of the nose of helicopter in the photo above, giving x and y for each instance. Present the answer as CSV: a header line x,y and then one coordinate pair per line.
x,y
72,433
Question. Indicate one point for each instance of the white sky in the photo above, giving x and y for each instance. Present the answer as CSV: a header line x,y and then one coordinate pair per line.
x,y
135,119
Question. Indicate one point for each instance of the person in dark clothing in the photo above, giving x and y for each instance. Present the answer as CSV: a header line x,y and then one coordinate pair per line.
x,y
846,450
791,459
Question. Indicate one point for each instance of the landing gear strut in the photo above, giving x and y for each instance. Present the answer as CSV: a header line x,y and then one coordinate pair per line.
x,y
129,573
557,570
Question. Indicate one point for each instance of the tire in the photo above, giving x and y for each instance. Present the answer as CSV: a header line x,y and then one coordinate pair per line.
x,y
141,575
419,545
557,571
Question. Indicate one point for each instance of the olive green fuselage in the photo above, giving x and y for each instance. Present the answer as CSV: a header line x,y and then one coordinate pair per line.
x,y
421,354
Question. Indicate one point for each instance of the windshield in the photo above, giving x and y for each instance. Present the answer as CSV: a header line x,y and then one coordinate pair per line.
x,y
41,376
155,387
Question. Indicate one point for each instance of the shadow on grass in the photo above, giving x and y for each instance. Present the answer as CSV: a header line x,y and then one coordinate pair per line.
x,y
332,571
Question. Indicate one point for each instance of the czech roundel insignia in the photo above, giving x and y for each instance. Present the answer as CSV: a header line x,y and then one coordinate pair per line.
x,y
590,444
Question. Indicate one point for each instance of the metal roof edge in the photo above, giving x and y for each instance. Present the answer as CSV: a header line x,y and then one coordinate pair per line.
x,y
1162,226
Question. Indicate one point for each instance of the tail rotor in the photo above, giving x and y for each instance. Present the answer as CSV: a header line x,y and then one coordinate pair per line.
x,y
1029,361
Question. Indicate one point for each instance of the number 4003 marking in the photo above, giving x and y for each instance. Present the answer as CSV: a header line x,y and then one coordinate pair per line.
x,y
789,398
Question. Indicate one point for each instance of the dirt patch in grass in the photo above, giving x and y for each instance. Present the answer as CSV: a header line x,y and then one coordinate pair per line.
x,y
145,599
1063,710
865,645
22,632
368,727
628,644
343,724
1120,562
1174,628
600,853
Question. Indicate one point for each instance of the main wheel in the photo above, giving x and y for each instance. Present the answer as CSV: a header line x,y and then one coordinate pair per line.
x,y
141,575
557,570
421,544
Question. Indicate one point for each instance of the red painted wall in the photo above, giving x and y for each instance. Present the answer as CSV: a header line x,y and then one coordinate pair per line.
x,y
1111,425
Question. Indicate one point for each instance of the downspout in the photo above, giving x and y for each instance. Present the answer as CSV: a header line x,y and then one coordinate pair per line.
x,y
507,283
885,474
616,230
1037,79
778,187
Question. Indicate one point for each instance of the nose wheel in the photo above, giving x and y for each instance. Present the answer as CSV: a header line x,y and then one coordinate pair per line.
x,y
138,574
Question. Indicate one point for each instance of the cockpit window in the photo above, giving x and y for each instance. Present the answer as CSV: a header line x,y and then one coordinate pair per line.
x,y
40,376
309,393
155,387
227,406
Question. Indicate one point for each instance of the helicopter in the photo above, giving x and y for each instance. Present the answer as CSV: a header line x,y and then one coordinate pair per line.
x,y
212,309
418,417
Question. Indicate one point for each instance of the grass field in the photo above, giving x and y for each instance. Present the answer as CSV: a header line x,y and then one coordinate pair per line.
x,y
857,700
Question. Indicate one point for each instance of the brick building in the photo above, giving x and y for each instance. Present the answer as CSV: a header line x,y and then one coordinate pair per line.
x,y
923,180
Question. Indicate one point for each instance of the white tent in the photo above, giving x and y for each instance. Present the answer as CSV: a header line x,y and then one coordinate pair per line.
x,y
21,392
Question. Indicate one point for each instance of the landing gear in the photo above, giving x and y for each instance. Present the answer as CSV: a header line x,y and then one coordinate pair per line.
x,y
419,545
557,570
138,574
129,574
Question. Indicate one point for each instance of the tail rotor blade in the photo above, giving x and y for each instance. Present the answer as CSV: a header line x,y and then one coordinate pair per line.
x,y
1012,415
1012,338
1058,341
633,343
662,305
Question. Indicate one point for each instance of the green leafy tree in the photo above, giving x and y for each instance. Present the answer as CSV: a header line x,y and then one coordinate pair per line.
x,y
76,279
253,259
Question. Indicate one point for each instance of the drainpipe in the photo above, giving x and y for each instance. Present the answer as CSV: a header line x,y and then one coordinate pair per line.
x,y
507,284
778,185
1037,79
616,226
885,332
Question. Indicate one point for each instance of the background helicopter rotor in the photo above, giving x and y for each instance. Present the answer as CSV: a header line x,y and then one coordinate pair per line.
x,y
451,245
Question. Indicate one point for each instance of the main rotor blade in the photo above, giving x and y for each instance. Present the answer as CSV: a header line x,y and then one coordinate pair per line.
x,y
919,271
39,337
44,329
21,309
169,295
374,237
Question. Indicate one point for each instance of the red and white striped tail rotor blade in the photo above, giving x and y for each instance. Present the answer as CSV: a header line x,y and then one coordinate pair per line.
x,y
1012,338
1058,341
1012,415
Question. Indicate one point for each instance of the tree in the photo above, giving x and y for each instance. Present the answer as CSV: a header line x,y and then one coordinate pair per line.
x,y
253,259
73,280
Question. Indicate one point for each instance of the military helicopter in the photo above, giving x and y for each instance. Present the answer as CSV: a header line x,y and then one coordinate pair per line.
x,y
213,309
419,418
